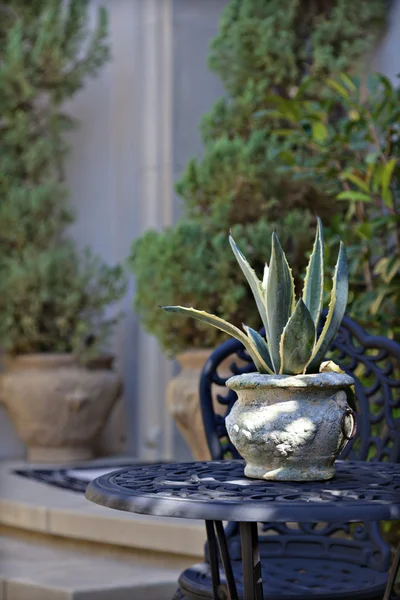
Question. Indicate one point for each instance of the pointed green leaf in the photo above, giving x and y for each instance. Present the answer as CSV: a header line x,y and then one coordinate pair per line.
x,y
340,89
388,172
348,82
253,281
265,278
354,196
297,341
386,180
319,131
279,299
356,180
337,307
223,325
313,290
261,346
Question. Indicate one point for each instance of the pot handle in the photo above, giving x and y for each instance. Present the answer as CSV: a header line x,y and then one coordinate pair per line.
x,y
349,412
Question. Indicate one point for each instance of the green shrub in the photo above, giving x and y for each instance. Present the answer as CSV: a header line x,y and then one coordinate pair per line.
x,y
269,47
274,43
52,298
54,301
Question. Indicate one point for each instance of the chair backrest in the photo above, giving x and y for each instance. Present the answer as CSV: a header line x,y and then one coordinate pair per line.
x,y
374,363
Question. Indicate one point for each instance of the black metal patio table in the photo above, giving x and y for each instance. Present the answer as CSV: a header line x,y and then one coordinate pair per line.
x,y
218,491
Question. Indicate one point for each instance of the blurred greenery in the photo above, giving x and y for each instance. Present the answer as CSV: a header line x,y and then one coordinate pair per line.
x,y
348,145
53,298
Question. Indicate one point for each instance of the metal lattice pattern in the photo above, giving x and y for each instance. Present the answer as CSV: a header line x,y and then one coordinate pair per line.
x,y
213,488
295,577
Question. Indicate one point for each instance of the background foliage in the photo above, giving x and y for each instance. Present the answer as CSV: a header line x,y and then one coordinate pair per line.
x,y
52,298
349,146
263,47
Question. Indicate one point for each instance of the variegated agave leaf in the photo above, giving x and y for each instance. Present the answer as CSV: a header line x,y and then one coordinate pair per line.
x,y
313,291
297,341
260,344
337,307
279,299
253,281
265,277
290,346
228,328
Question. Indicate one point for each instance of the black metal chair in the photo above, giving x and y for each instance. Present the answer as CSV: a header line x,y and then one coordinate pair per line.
x,y
323,561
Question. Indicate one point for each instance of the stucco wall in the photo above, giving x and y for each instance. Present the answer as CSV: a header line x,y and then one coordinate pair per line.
x,y
387,56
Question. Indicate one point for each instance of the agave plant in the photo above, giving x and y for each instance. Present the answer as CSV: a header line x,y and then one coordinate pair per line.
x,y
291,345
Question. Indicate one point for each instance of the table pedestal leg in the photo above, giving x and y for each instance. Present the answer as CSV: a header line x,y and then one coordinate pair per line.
x,y
251,564
392,575
217,542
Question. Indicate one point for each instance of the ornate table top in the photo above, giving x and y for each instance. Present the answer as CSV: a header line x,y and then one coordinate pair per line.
x,y
218,490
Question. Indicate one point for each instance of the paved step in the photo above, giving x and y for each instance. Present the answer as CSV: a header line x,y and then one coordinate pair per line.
x,y
34,570
36,507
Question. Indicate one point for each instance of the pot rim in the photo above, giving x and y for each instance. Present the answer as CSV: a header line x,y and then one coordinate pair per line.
x,y
39,360
252,381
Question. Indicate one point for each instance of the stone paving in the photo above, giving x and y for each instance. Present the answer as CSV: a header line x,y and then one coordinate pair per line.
x,y
56,545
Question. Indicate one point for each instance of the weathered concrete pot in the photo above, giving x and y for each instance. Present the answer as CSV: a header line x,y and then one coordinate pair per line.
x,y
183,398
183,401
290,428
58,407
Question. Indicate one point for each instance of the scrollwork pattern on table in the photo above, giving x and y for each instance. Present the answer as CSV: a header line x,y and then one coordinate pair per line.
x,y
224,480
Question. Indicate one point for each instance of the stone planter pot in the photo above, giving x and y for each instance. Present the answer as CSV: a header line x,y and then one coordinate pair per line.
x,y
290,428
58,407
183,398
183,401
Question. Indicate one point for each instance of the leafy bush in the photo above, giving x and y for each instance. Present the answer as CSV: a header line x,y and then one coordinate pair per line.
x,y
52,299
274,44
349,146
186,265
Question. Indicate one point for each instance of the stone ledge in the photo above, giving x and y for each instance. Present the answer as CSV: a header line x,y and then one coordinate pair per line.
x,y
33,570
36,507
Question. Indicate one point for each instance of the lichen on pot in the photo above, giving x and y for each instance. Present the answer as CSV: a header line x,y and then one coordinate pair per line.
x,y
277,424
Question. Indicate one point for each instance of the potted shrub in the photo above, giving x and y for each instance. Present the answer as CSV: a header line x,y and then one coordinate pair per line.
x,y
53,298
292,418
53,328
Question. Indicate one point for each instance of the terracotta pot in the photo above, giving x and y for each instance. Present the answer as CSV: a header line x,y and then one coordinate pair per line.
x,y
58,407
290,428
